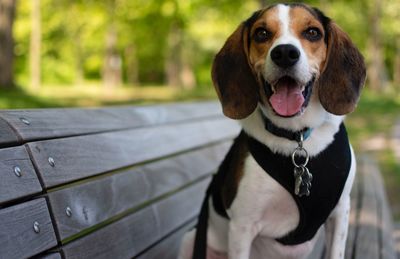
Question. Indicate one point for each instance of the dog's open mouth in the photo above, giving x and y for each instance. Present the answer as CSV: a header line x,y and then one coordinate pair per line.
x,y
288,97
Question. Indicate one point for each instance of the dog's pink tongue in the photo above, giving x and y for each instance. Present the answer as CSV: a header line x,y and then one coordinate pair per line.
x,y
287,99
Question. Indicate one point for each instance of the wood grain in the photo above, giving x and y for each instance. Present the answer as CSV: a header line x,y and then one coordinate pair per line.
x,y
134,233
17,236
56,123
386,242
12,186
80,157
367,242
168,248
49,256
95,201
7,136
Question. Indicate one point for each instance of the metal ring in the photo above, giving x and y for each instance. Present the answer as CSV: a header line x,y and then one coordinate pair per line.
x,y
295,152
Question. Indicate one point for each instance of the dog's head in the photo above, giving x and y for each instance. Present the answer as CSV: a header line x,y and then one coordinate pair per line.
x,y
284,57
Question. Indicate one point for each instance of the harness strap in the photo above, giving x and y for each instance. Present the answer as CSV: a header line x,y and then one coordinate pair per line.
x,y
214,192
200,241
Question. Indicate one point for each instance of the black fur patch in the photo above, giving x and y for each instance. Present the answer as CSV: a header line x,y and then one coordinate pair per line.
x,y
324,20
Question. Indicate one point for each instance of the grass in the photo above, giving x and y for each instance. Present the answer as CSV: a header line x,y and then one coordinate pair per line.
x,y
94,95
369,127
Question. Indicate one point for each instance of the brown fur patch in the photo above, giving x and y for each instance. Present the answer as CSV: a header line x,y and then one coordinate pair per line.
x,y
344,73
233,78
300,19
258,51
235,169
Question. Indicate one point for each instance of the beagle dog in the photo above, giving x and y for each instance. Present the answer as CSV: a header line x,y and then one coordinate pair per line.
x,y
288,74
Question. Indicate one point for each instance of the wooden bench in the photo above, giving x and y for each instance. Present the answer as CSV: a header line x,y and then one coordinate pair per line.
x,y
371,227
128,182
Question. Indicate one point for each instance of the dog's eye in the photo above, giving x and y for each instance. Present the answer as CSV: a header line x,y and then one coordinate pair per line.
x,y
312,34
262,35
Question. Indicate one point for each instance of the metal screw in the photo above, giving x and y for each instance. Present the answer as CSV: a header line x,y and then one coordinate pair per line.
x,y
68,211
24,120
17,171
51,161
36,227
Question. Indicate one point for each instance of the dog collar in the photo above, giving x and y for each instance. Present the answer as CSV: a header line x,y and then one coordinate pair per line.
x,y
284,133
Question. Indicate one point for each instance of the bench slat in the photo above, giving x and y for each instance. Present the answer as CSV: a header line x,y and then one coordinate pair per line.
x,y
12,186
95,201
17,236
169,247
84,156
51,256
367,242
56,123
7,135
385,226
134,233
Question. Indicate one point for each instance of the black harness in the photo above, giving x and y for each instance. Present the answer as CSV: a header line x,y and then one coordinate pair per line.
x,y
330,170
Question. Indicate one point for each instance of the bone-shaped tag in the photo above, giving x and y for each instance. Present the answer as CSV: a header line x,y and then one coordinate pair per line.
x,y
303,179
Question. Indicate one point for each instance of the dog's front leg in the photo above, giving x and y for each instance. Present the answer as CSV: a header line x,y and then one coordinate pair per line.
x,y
336,229
338,223
240,238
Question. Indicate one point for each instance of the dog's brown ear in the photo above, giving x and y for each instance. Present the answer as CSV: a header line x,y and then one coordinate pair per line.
x,y
233,78
343,75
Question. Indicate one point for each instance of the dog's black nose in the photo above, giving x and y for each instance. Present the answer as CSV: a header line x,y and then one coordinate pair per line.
x,y
285,55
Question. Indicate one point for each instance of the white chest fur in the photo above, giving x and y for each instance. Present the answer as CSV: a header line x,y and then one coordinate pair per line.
x,y
265,207
262,200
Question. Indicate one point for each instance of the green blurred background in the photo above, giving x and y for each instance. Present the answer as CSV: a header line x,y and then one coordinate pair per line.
x,y
63,53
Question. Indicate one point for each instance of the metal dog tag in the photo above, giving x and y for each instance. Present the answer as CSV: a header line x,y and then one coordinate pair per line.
x,y
302,176
303,180
298,179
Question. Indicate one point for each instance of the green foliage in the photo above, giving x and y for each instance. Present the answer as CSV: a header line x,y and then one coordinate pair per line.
x,y
391,31
347,15
74,33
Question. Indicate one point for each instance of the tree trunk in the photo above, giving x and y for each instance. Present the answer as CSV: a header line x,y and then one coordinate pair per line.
x,y
112,72
35,45
79,56
396,68
7,13
132,65
112,67
377,75
188,80
178,67
173,58
187,77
